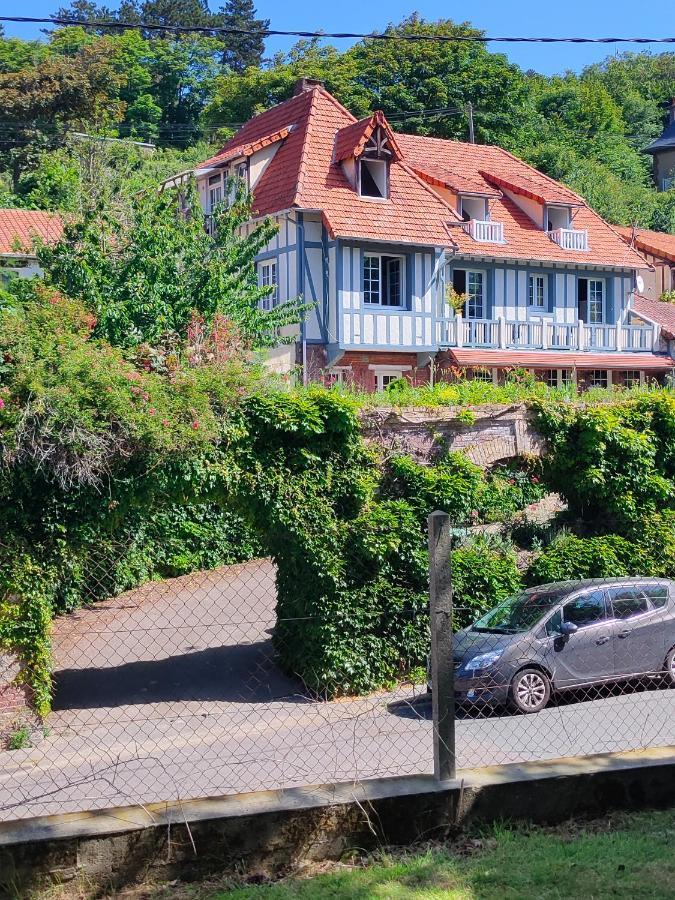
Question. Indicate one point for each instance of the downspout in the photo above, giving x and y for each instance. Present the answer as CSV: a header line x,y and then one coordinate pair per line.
x,y
300,275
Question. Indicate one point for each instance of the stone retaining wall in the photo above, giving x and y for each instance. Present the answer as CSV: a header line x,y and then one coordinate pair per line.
x,y
494,433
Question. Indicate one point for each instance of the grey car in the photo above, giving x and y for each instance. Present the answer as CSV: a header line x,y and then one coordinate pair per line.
x,y
563,636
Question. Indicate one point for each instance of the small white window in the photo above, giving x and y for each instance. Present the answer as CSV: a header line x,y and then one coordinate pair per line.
x,y
471,283
631,378
215,191
383,279
558,217
383,379
550,377
474,208
537,291
373,178
481,374
267,277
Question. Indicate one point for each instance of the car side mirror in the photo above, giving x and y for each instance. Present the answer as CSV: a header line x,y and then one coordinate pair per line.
x,y
568,628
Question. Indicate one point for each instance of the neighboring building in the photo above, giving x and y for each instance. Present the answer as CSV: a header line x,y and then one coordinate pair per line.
x,y
375,227
659,250
18,230
663,153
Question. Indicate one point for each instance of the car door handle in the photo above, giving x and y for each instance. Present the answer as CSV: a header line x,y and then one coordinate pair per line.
x,y
603,639
623,634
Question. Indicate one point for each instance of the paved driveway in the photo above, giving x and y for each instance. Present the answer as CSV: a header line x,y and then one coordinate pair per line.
x,y
171,691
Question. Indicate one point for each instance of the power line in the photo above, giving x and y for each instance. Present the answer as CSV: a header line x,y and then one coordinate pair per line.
x,y
348,35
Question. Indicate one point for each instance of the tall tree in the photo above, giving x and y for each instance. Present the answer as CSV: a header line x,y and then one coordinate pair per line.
x,y
242,50
145,277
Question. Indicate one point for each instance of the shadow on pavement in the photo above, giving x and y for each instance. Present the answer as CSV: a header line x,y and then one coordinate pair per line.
x,y
242,673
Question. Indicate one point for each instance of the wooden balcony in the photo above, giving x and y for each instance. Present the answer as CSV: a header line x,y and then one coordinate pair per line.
x,y
486,232
570,238
543,334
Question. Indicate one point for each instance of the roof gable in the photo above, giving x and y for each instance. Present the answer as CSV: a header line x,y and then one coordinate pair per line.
x,y
352,140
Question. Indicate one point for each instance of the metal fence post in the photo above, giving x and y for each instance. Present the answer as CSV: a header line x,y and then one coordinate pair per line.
x,y
442,668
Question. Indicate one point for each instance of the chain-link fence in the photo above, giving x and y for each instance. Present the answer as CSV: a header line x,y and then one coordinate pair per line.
x,y
174,690
571,668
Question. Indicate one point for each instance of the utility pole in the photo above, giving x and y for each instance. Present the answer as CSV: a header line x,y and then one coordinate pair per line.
x,y
469,112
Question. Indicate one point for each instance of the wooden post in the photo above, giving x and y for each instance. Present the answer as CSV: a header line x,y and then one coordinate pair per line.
x,y
442,667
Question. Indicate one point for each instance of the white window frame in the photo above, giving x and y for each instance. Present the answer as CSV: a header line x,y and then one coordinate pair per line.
x,y
475,202
268,274
215,188
590,303
534,281
368,282
382,179
390,373
470,303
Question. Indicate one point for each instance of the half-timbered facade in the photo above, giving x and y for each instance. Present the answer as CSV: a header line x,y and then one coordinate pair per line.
x,y
421,254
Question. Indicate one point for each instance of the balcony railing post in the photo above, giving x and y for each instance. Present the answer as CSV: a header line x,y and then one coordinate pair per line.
x,y
502,332
619,335
544,334
581,343
459,336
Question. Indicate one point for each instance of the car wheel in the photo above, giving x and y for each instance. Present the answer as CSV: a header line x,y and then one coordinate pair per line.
x,y
530,691
670,666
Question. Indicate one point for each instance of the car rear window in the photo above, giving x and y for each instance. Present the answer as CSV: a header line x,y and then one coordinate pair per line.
x,y
635,600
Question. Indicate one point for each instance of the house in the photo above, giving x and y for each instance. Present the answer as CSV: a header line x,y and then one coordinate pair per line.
x,y
18,230
659,251
662,151
381,231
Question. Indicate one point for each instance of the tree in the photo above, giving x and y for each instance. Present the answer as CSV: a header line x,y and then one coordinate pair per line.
x,y
242,51
146,278
40,103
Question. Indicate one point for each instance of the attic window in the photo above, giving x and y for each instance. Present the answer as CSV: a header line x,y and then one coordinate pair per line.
x,y
373,178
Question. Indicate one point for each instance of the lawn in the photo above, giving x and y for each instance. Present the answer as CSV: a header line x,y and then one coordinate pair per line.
x,y
623,855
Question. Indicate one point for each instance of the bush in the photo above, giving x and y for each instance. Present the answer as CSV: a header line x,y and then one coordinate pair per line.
x,y
483,573
568,558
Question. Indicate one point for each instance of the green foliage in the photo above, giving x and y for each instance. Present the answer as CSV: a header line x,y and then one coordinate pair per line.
x,y
613,464
19,739
165,270
569,557
483,573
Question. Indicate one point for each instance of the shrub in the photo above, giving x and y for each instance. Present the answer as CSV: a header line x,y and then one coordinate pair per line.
x,y
568,558
482,575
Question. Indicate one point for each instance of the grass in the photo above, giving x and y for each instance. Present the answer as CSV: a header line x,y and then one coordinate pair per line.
x,y
19,739
624,855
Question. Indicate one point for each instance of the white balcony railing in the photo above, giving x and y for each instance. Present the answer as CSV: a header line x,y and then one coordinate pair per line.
x,y
486,232
456,331
570,238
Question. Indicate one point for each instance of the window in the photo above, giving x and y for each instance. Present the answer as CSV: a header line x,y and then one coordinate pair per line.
x,y
537,291
566,378
585,610
481,374
215,190
657,594
631,378
628,602
384,379
554,623
474,208
550,377
382,279
596,304
474,288
373,178
267,275
591,300
558,217
598,378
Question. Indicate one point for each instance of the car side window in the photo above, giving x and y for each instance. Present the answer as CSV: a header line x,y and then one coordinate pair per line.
x,y
553,624
658,595
585,610
628,602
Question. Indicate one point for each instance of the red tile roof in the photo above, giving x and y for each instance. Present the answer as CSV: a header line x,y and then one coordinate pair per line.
x,y
304,174
564,360
655,242
537,189
249,149
657,311
19,227
352,139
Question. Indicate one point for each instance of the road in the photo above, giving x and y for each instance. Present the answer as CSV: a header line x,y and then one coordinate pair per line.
x,y
171,691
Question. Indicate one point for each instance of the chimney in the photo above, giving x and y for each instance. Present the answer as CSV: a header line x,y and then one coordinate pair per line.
x,y
306,84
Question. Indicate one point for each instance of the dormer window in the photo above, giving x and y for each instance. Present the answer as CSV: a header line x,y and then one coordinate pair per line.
x,y
373,178
474,208
557,217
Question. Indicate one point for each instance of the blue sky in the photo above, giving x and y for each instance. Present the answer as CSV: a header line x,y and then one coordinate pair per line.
x,y
586,18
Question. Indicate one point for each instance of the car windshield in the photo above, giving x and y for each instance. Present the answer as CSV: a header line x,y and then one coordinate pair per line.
x,y
518,613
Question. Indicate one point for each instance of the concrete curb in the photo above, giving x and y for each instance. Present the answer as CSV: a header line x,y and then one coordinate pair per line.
x,y
272,832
